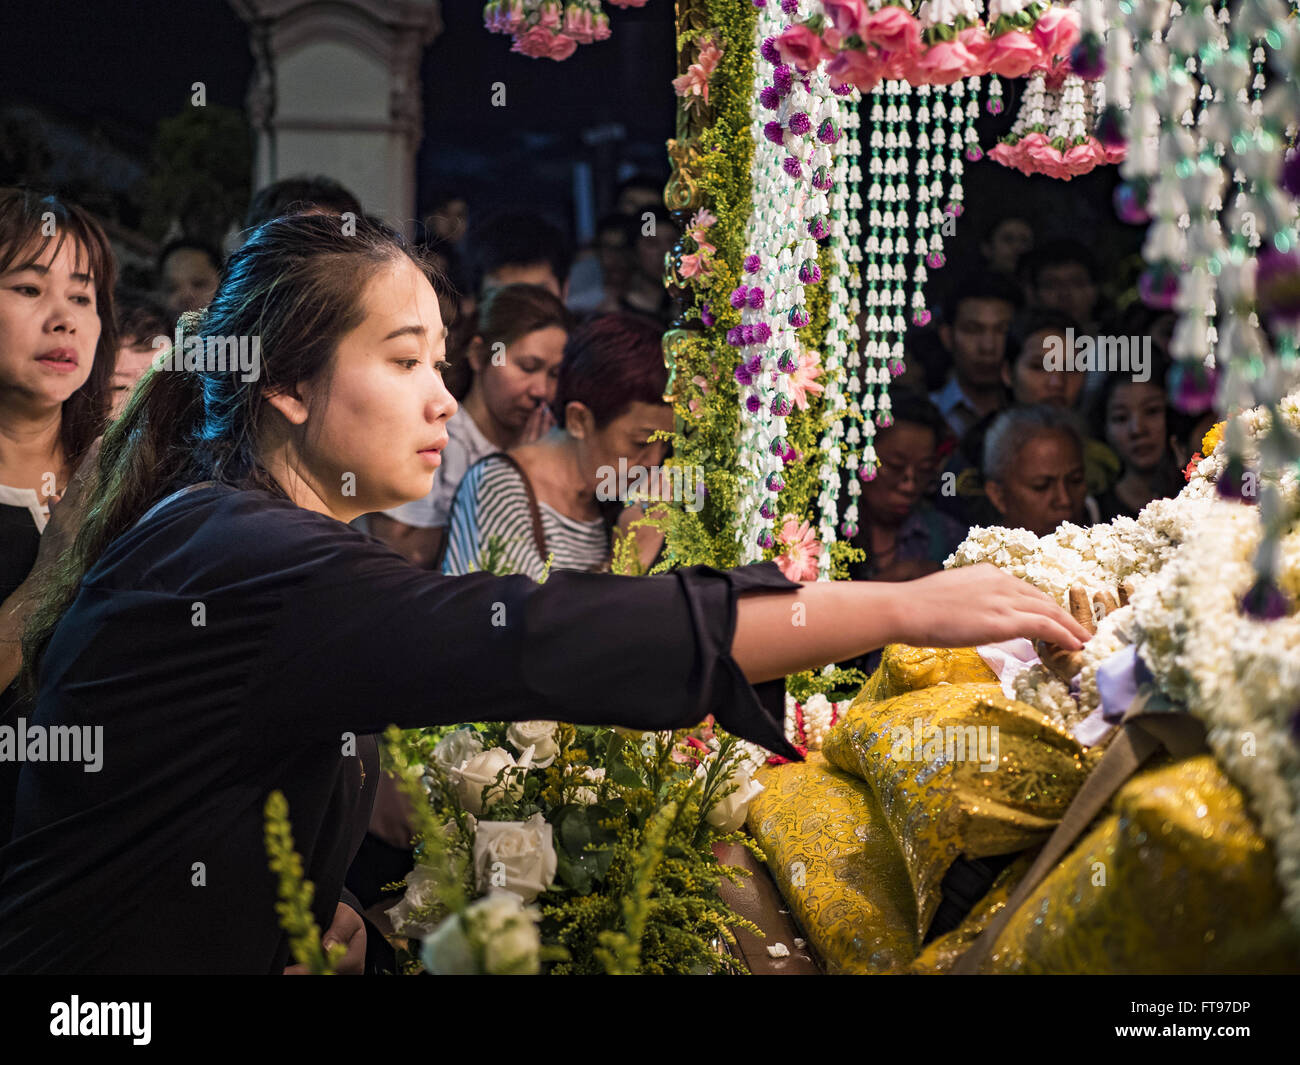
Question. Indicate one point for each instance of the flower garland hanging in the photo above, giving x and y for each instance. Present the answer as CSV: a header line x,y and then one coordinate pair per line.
x,y
937,43
1052,133
1207,131
553,29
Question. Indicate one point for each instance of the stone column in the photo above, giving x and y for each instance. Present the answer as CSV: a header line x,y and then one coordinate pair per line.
x,y
336,91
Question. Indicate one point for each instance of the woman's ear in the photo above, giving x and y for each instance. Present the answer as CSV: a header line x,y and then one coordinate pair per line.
x,y
290,404
993,489
477,349
579,422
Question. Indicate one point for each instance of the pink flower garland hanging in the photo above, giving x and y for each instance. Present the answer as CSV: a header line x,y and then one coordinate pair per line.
x,y
550,29
938,43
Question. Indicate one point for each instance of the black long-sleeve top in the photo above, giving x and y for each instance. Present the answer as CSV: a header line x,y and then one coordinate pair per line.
x,y
228,643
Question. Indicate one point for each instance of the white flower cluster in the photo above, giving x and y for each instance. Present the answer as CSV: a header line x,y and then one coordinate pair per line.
x,y
1188,562
818,715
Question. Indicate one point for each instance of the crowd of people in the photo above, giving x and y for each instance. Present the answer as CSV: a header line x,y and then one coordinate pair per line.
x,y
540,385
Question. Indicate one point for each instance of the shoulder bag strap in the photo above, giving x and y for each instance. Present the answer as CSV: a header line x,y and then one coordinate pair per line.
x,y
539,535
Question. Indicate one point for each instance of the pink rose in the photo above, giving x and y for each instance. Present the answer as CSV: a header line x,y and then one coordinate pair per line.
x,y
942,64
601,29
1002,153
562,47
801,48
1114,153
976,41
535,43
1013,54
1079,159
1044,158
894,29
847,16
902,66
1056,30
551,15
860,69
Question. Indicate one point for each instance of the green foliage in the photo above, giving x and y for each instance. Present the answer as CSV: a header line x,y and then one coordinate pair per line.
x,y
201,162
636,884
296,893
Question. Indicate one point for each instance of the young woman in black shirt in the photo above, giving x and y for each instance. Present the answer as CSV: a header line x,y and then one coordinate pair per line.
x,y
232,634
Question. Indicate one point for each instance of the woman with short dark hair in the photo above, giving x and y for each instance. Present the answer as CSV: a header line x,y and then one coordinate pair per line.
x,y
544,499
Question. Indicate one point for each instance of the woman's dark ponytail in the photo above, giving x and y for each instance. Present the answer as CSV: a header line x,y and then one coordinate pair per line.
x,y
289,295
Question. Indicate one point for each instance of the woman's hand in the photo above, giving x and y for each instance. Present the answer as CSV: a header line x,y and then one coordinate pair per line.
x,y
539,423
829,621
981,604
349,929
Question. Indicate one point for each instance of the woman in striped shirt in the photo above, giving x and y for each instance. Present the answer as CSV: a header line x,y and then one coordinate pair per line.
x,y
515,509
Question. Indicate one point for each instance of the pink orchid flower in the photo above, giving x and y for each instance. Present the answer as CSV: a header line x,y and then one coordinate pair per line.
x,y
804,379
802,550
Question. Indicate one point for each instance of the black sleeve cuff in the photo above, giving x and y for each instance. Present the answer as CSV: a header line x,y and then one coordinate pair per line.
x,y
755,712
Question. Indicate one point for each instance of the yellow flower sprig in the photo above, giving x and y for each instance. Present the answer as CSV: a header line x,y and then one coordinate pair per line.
x,y
296,893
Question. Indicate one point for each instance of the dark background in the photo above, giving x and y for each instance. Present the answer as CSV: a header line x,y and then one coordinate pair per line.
x,y
84,86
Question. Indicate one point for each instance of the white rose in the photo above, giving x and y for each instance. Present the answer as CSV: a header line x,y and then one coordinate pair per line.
x,y
419,893
482,771
728,813
540,735
587,796
457,748
504,933
517,856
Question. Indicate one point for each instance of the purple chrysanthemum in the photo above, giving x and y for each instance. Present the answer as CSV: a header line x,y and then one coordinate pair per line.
x,y
1265,601
792,167
787,362
768,50
809,272
747,334
762,333
752,263
738,296
774,132
754,364
1087,59
800,123
706,316
743,376
1192,386
827,133
821,179
757,297
1290,180
1277,285
817,228
780,405
842,89
783,79
775,482
798,317
769,97
1158,287
790,7
752,403
1130,203
1110,131
733,336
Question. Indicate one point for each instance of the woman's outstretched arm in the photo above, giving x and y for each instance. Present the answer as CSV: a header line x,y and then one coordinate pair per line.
x,y
830,621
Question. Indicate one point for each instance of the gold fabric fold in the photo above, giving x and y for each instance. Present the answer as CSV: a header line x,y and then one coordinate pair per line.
x,y
958,769
836,863
1174,878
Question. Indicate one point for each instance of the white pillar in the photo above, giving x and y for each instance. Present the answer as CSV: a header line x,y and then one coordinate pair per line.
x,y
336,91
